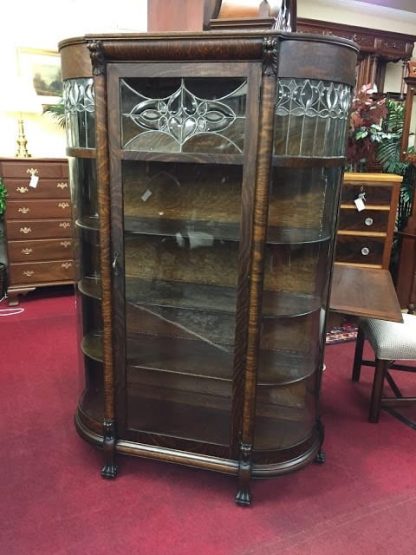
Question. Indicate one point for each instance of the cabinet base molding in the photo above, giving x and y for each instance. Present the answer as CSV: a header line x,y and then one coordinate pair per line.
x,y
206,462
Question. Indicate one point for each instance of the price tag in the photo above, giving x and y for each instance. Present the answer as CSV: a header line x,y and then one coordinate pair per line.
x,y
33,182
146,195
360,202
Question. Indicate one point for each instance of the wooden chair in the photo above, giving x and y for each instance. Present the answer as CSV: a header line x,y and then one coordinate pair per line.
x,y
391,342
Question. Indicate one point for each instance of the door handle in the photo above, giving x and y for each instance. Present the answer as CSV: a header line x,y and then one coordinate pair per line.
x,y
115,265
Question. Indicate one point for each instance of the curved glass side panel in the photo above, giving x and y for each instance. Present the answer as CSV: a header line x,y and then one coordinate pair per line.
x,y
86,239
311,118
79,105
298,258
86,234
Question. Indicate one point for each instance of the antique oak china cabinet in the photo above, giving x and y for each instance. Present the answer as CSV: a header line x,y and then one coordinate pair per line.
x,y
205,171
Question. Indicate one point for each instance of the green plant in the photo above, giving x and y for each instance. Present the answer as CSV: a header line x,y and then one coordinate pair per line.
x,y
3,200
57,112
389,148
388,155
3,197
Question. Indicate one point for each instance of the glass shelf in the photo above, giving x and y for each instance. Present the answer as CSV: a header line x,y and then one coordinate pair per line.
x,y
90,286
217,231
167,417
213,298
92,346
192,356
90,223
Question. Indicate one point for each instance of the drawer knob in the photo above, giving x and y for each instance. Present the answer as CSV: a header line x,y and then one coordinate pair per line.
x,y
65,244
63,205
66,265
65,225
26,251
369,221
32,171
24,210
62,186
22,190
28,273
365,251
25,230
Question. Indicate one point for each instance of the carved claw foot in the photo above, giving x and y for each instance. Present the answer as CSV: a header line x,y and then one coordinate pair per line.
x,y
243,498
109,471
320,457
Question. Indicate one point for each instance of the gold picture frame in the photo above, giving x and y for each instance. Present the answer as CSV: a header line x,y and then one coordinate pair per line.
x,y
43,69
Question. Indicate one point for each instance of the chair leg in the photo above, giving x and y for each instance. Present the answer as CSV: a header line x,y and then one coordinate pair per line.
x,y
358,356
377,392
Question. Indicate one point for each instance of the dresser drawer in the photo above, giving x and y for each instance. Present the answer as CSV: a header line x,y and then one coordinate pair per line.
x,y
360,250
18,209
45,189
41,272
48,249
20,168
37,229
374,194
366,220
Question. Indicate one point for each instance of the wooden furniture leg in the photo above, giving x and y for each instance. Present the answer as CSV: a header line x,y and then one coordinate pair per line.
x,y
377,392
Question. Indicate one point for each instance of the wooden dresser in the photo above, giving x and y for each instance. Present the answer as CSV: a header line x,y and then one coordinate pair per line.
x,y
38,224
365,237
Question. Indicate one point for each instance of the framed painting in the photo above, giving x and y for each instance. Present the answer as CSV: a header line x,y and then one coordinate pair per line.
x,y
43,68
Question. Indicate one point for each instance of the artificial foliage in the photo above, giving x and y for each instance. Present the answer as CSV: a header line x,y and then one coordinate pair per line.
x,y
365,132
57,113
3,197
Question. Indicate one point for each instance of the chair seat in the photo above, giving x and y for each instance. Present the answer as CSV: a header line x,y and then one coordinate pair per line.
x,y
392,340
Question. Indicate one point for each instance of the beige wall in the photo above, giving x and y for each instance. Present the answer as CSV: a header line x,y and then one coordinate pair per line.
x,y
41,25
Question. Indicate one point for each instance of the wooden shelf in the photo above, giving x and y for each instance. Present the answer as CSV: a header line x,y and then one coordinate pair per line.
x,y
212,425
195,358
198,359
192,357
212,298
280,433
169,418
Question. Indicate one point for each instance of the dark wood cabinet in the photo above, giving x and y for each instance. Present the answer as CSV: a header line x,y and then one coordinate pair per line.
x,y
38,224
206,207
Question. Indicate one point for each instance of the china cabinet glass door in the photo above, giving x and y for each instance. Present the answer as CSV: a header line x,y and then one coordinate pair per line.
x,y
178,155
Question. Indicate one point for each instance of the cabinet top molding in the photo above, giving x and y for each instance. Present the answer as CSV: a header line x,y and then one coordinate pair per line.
x,y
213,46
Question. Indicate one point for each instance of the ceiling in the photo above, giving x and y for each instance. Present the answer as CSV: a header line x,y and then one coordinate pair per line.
x,y
405,5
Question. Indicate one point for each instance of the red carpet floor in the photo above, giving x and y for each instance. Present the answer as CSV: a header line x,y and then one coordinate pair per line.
x,y
54,502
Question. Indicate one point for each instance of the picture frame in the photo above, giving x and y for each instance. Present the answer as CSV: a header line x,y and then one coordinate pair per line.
x,y
43,69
